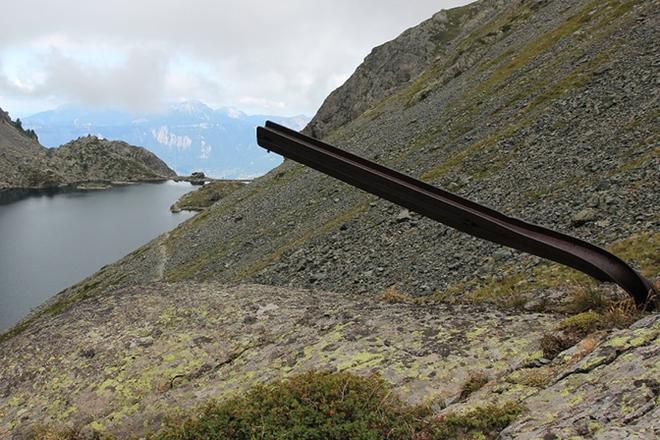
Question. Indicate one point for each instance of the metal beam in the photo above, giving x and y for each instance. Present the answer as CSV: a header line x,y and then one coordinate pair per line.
x,y
453,210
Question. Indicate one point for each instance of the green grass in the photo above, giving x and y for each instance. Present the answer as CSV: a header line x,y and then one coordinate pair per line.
x,y
606,11
208,194
642,250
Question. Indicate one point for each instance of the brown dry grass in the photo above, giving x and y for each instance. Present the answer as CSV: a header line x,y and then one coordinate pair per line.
x,y
394,296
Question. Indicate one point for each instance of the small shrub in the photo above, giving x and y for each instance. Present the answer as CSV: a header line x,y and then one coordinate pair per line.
x,y
310,406
322,406
484,422
554,343
585,299
393,296
475,382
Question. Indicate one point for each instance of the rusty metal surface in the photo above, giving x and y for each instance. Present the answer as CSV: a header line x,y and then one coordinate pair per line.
x,y
453,210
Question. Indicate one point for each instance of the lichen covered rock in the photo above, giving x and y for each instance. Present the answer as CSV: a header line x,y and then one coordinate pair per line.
x,y
121,361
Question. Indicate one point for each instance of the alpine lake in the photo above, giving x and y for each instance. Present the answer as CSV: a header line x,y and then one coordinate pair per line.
x,y
50,240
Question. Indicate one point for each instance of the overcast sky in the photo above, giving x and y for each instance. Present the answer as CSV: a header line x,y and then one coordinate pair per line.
x,y
261,56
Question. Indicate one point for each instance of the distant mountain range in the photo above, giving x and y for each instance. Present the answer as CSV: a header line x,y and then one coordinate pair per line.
x,y
188,136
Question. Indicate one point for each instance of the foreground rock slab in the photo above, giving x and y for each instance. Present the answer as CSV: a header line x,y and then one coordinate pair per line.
x,y
121,361
605,387
612,393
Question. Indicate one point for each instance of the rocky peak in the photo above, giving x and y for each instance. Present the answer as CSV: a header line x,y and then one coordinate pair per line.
x,y
396,63
4,116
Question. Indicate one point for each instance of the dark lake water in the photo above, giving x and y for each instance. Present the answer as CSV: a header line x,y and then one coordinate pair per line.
x,y
49,242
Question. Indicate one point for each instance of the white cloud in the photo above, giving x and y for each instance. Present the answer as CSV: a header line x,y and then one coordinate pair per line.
x,y
259,56
135,83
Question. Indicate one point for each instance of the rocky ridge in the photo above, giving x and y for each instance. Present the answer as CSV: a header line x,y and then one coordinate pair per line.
x,y
26,164
207,195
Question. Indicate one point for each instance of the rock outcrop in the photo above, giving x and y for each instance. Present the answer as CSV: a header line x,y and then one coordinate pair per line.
x,y
118,362
161,347
92,159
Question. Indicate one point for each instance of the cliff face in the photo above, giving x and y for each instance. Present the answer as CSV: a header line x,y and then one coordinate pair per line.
x,y
545,110
24,163
397,63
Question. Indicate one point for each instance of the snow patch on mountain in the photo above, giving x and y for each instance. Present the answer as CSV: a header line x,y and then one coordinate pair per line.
x,y
205,150
165,137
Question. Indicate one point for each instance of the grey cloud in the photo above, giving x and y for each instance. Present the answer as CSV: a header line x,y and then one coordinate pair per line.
x,y
259,50
136,84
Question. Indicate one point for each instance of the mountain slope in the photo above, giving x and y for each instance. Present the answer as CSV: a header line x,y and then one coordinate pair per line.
x,y
16,151
24,163
393,64
190,136
561,134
